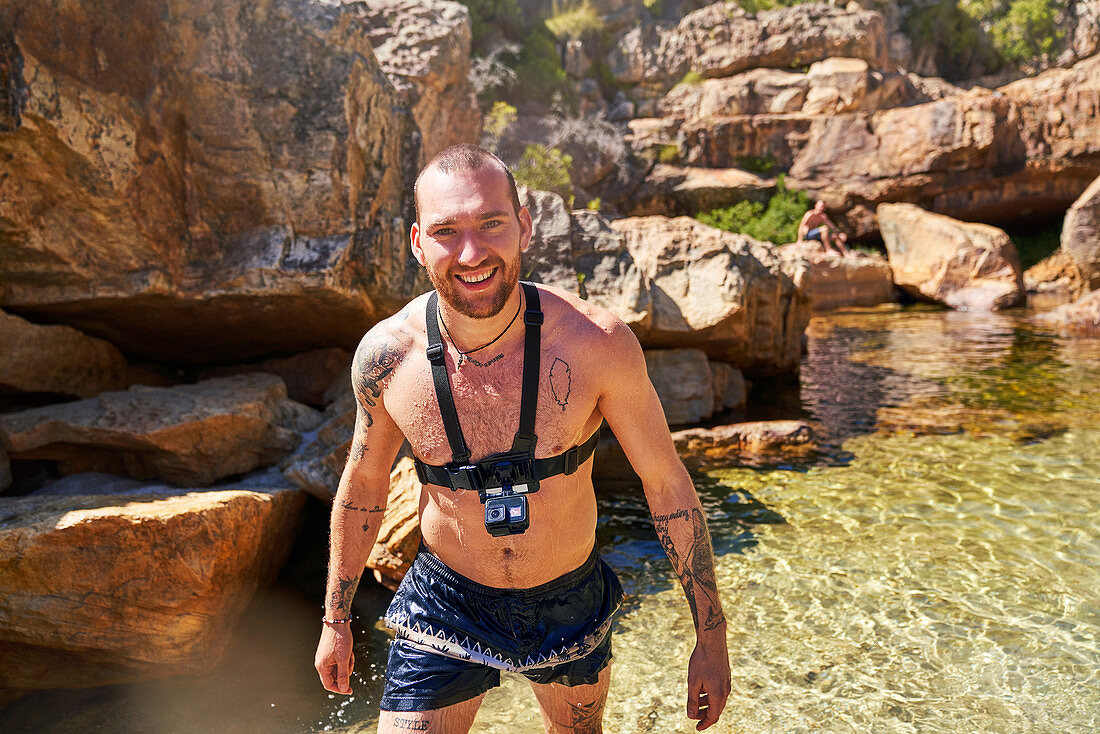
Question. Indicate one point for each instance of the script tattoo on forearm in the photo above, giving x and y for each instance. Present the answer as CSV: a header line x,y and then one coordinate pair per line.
x,y
351,506
344,592
377,360
695,569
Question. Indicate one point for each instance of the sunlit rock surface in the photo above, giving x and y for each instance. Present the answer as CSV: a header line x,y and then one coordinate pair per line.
x,y
308,376
102,589
57,359
190,435
1080,317
683,382
206,181
859,279
971,267
424,48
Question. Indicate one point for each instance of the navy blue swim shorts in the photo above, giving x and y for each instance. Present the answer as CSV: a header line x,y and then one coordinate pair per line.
x,y
814,234
454,636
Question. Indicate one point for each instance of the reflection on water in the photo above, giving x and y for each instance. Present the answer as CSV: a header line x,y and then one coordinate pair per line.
x,y
935,571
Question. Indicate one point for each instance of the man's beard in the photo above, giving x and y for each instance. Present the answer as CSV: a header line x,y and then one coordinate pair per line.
x,y
507,276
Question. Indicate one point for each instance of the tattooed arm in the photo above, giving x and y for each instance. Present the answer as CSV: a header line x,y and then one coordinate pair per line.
x,y
360,500
632,409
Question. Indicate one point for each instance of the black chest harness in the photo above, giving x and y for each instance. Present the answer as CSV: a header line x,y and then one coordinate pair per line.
x,y
513,472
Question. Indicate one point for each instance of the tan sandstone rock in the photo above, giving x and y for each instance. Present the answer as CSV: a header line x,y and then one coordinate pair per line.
x,y
1082,317
111,589
683,383
971,267
207,181
860,279
730,390
190,435
677,190
722,39
748,438
307,376
399,538
717,291
1081,236
57,359
424,48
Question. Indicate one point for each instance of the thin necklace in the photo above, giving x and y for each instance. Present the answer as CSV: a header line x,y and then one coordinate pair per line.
x,y
465,356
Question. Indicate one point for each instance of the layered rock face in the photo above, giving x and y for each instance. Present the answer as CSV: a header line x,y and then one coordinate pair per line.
x,y
424,48
971,267
722,39
118,588
836,282
1081,236
207,181
190,435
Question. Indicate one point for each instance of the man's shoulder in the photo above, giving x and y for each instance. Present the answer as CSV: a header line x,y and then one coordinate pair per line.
x,y
392,338
592,328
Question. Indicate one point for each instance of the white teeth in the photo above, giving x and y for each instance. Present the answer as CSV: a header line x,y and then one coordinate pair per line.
x,y
477,278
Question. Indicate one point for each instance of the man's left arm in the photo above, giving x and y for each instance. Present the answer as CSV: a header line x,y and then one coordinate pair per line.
x,y
631,407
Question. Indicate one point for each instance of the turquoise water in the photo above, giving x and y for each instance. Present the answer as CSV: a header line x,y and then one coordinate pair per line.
x,y
934,568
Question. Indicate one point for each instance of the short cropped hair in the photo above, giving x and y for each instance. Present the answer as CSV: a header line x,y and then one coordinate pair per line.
x,y
464,157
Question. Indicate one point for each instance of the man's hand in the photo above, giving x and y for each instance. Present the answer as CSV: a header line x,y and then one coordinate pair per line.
x,y
708,679
334,660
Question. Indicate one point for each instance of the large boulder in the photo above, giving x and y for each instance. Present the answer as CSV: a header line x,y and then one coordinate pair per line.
x,y
1081,236
970,267
117,588
676,190
723,39
308,376
424,48
399,537
713,290
858,279
57,359
207,181
190,435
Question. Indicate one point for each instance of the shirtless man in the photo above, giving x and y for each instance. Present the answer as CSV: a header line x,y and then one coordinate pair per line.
x,y
815,225
539,602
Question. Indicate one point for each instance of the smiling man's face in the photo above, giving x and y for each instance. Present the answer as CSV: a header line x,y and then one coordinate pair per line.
x,y
469,237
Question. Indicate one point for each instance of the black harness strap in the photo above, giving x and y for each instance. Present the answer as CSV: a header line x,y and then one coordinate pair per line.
x,y
460,474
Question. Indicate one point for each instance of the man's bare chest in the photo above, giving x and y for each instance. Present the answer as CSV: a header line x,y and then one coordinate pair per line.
x,y
487,398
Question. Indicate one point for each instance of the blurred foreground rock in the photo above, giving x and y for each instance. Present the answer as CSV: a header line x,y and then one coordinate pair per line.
x,y
117,588
969,267
190,435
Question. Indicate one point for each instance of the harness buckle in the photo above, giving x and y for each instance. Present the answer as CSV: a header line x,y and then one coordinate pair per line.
x,y
464,476
435,352
571,460
532,318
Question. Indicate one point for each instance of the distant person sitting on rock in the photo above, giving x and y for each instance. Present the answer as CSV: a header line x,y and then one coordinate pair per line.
x,y
815,225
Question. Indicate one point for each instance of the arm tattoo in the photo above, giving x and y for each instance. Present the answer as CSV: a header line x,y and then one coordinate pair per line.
x,y
344,592
561,382
695,569
410,724
377,359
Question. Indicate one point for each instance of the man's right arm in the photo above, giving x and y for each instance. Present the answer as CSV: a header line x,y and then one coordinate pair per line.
x,y
803,227
360,501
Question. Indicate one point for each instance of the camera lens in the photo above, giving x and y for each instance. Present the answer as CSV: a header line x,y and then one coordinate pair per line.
x,y
494,514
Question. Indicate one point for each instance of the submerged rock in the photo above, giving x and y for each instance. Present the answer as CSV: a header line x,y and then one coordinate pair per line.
x,y
190,435
57,359
110,589
970,267
1081,317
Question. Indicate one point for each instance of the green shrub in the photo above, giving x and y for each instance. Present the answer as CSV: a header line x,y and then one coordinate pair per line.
x,y
540,75
762,165
756,6
574,20
1028,32
668,153
493,22
776,222
546,169
954,37
692,77
498,119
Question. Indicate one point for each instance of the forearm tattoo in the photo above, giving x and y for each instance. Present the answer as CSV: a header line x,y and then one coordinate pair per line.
x,y
344,593
695,568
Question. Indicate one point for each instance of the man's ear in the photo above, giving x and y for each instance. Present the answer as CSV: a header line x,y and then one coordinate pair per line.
x,y
414,240
526,229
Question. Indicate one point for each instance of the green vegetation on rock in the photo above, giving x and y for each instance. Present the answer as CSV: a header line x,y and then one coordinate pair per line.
x,y
546,169
776,222
574,19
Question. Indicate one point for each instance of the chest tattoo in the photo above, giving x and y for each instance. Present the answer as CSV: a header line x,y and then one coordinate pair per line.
x,y
561,382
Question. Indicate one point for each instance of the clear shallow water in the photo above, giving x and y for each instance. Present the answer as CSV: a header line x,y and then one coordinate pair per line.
x,y
935,569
